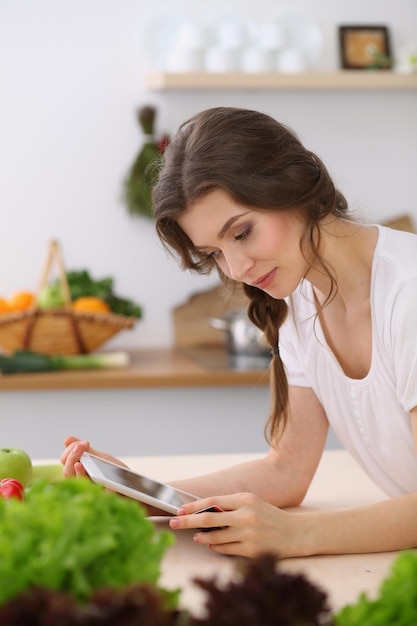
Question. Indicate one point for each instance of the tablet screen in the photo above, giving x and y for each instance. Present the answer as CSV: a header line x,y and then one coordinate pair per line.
x,y
135,485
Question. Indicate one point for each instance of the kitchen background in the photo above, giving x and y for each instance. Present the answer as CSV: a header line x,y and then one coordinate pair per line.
x,y
72,76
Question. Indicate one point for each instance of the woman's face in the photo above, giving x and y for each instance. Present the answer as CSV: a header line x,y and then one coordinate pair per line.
x,y
259,248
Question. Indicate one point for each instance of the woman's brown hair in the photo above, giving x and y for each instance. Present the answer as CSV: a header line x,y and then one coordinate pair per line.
x,y
260,163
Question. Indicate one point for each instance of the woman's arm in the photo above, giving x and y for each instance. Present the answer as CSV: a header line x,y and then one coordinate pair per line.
x,y
381,527
385,526
283,476
253,526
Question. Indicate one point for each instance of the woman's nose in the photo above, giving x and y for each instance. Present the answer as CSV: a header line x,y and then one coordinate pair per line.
x,y
237,266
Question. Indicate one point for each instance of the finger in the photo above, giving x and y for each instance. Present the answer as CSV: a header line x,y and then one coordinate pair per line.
x,y
223,541
226,503
207,521
199,505
74,452
70,439
70,443
80,471
67,457
235,548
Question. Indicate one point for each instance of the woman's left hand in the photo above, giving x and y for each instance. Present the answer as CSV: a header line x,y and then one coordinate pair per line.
x,y
249,526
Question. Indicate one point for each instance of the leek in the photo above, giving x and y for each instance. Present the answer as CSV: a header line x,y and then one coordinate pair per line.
x,y
24,361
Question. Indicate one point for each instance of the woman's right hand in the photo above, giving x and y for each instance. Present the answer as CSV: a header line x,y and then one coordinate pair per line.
x,y
70,459
74,448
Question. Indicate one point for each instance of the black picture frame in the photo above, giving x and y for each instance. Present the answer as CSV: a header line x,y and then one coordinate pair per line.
x,y
365,47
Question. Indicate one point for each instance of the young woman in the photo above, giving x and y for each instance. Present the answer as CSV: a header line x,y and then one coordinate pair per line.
x,y
337,300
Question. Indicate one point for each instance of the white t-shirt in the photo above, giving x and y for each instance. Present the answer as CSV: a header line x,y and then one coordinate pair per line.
x,y
369,416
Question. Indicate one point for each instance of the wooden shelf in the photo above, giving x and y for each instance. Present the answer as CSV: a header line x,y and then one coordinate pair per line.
x,y
149,368
347,79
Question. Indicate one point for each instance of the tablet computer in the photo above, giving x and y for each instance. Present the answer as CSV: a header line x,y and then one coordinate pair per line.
x,y
134,485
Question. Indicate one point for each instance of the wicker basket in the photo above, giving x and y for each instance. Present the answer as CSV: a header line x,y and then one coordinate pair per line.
x,y
59,331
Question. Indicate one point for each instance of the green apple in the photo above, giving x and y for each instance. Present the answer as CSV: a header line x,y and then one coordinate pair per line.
x,y
17,464
50,297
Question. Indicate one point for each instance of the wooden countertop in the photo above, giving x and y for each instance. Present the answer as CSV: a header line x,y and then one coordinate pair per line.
x,y
338,483
148,368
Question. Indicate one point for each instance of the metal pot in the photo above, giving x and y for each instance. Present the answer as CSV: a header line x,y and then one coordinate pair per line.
x,y
243,338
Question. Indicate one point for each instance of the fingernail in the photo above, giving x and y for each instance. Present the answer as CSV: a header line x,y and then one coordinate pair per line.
x,y
181,511
174,523
196,538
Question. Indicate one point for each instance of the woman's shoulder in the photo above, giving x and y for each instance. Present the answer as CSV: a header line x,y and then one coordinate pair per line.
x,y
394,273
396,249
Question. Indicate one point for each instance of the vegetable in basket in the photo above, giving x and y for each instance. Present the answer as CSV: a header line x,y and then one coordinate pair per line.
x,y
81,284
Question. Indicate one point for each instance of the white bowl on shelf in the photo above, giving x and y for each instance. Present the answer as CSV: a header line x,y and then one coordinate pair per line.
x,y
271,36
257,60
181,60
167,35
303,34
291,61
220,60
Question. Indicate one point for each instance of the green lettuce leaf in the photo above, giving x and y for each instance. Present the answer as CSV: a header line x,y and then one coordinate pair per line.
x,y
396,602
75,536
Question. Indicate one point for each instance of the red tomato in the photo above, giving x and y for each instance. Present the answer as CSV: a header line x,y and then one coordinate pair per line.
x,y
11,488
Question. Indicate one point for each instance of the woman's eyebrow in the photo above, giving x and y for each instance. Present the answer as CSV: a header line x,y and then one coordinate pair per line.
x,y
222,232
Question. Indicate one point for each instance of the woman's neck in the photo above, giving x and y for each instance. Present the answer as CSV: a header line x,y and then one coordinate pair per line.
x,y
347,249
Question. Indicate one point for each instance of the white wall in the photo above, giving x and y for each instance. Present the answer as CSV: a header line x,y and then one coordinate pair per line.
x,y
71,78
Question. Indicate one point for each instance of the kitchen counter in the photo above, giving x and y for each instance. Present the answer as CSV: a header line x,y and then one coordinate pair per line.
x,y
339,483
205,367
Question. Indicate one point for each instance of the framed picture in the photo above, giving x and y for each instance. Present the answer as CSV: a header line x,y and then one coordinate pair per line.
x,y
364,47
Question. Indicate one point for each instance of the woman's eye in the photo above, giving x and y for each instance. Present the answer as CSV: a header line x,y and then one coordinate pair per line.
x,y
244,234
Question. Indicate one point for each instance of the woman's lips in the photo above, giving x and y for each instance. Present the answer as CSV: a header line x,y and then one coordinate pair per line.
x,y
266,280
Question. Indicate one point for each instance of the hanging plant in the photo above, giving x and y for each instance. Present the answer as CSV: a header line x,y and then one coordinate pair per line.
x,y
137,184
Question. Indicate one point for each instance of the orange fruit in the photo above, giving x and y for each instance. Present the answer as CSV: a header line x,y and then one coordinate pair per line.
x,y
91,304
4,307
21,300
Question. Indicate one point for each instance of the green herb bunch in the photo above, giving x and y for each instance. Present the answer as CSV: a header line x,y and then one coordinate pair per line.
x,y
138,183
